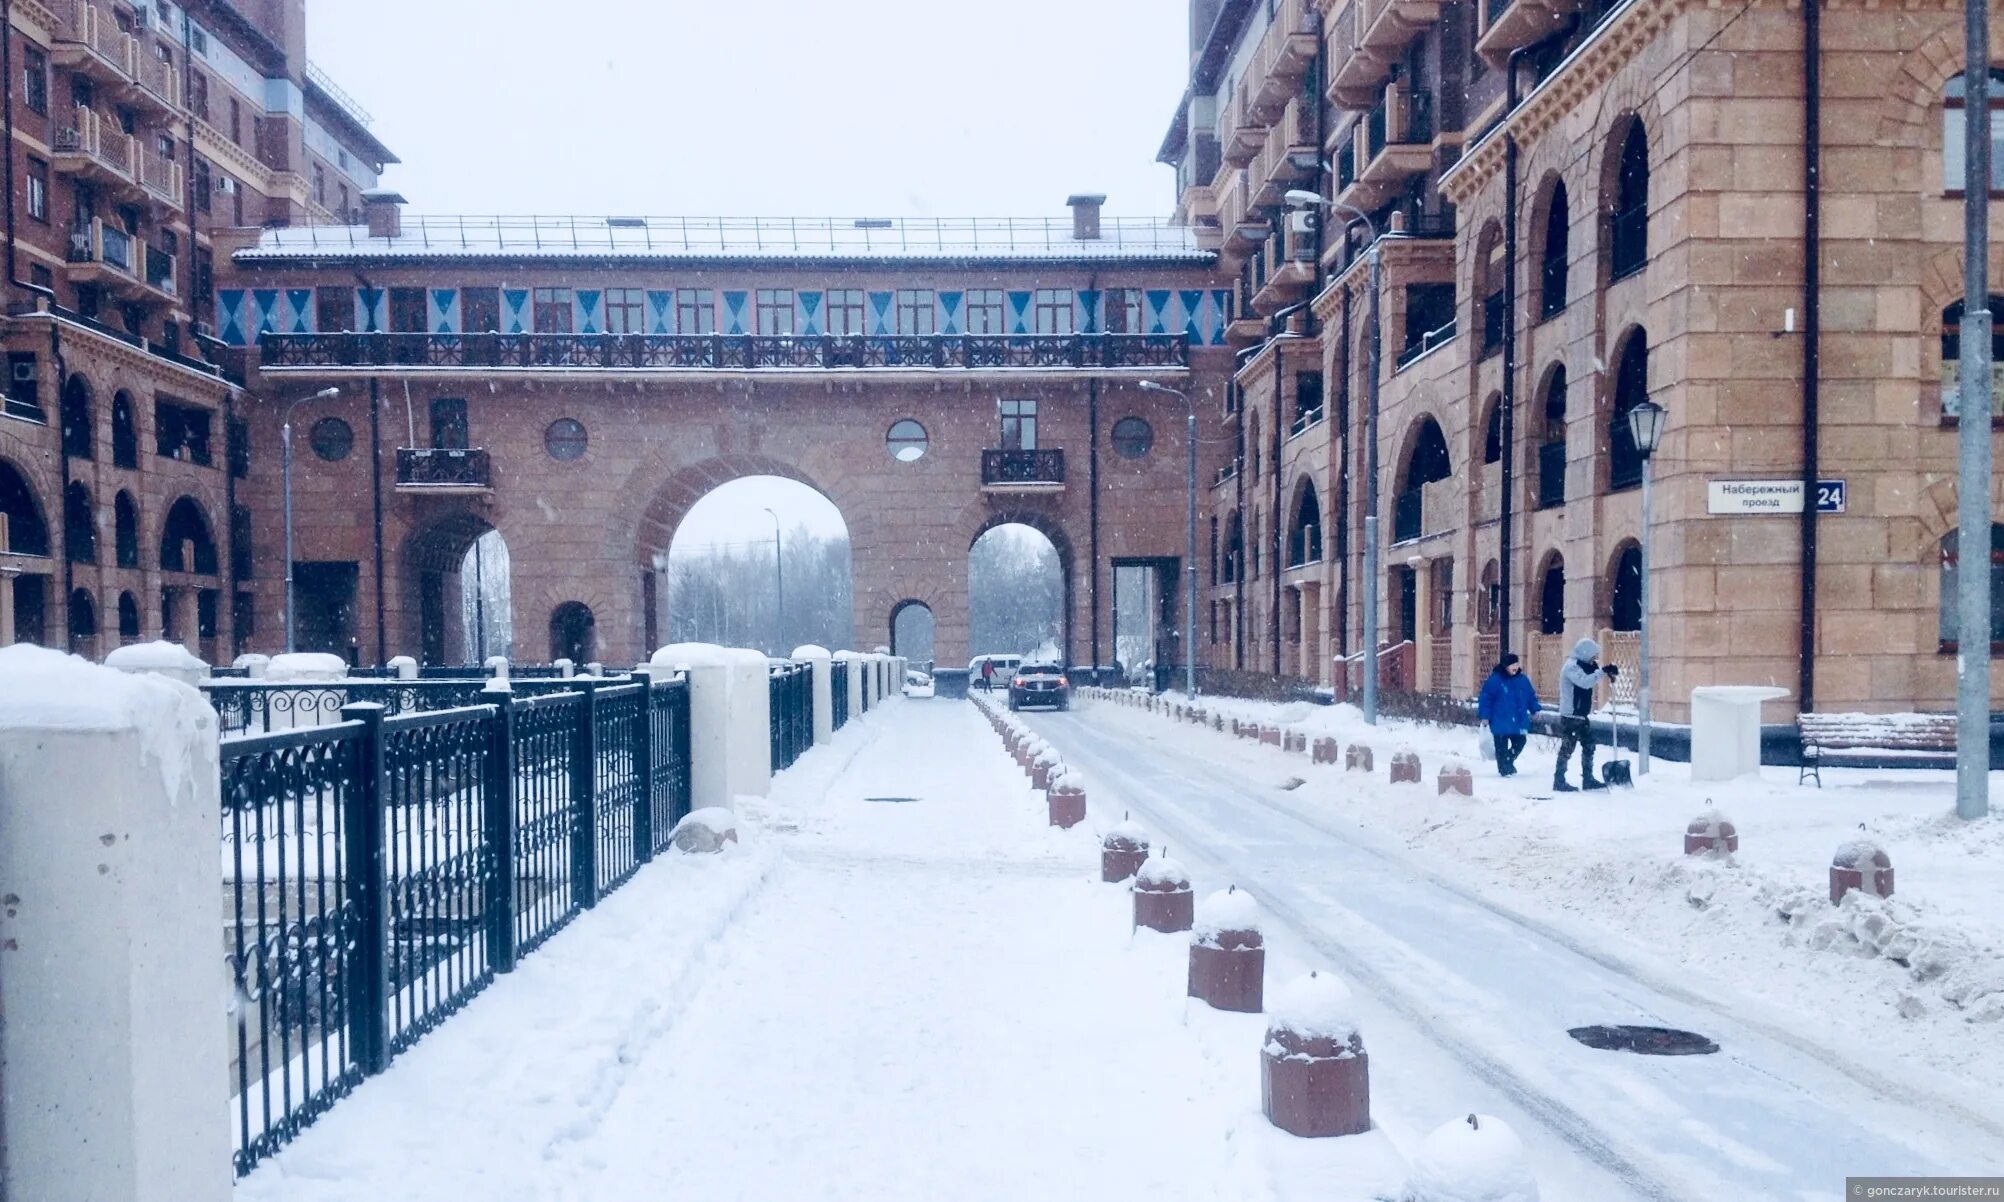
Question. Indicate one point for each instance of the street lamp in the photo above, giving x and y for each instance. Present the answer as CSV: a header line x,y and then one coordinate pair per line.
x,y
285,441
1645,425
779,578
1301,198
1190,479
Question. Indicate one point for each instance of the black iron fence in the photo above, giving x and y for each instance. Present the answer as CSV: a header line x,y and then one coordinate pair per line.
x,y
380,869
792,713
725,352
1007,466
260,706
444,467
838,693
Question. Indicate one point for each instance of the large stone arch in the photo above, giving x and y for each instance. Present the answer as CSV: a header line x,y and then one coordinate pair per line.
x,y
1912,96
427,621
987,517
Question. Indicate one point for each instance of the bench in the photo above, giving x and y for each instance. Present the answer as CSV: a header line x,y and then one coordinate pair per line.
x,y
1867,740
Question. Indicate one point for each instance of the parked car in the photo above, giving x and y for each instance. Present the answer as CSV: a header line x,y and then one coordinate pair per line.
x,y
1040,684
917,683
1005,667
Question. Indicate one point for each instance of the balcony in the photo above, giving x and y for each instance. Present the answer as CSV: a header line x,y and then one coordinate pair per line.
x,y
1240,134
443,470
702,353
89,42
1387,27
154,86
1423,512
1282,57
103,255
1244,228
160,276
1513,24
1290,279
87,147
1022,471
161,179
1393,143
1289,159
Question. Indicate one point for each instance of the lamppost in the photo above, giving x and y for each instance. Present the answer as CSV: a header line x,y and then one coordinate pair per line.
x,y
1301,198
1645,423
285,442
779,578
1190,481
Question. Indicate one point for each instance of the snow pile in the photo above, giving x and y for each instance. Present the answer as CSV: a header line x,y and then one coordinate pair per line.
x,y
1129,832
45,690
1063,778
811,652
306,665
1317,1006
1473,1159
159,656
706,831
687,655
1160,874
1225,911
1862,855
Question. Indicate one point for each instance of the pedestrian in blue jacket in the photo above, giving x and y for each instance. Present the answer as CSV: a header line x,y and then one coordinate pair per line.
x,y
1508,700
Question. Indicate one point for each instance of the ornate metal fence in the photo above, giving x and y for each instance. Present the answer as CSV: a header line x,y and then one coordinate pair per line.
x,y
838,693
258,706
380,868
792,714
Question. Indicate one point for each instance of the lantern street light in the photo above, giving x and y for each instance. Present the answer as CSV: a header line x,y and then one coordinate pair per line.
x,y
1645,424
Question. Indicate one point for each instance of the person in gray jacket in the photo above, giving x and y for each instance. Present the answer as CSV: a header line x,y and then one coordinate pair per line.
x,y
1577,679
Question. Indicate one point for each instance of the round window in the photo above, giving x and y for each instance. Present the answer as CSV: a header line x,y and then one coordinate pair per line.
x,y
1132,437
332,439
566,439
906,441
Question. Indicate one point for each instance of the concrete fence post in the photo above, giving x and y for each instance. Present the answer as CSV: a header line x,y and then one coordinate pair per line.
x,y
751,720
854,679
404,666
112,983
710,778
822,663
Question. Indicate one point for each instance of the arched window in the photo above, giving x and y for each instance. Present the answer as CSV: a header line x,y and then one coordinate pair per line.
x,y
1631,385
1492,432
1491,272
1214,548
1954,122
1628,232
573,633
1552,445
78,431
1304,535
125,524
1552,255
124,432
1489,605
82,623
128,617
1427,463
1951,355
1950,573
1552,596
27,533
1252,435
1235,549
1625,605
79,524
186,544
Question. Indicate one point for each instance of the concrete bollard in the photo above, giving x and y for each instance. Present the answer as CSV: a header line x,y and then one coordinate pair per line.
x,y
1405,767
1043,768
171,660
1472,1159
1862,865
1357,758
1065,801
1122,852
1295,741
1269,736
1227,955
1453,778
1711,834
821,664
255,665
1325,752
711,781
1162,898
1315,1079
565,668
404,666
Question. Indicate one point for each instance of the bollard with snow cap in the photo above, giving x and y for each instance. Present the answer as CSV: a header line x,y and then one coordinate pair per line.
x,y
1454,777
1405,767
404,666
1043,767
1227,955
1472,1159
1711,834
1065,800
1162,898
1295,741
1357,758
1325,751
1315,1079
1862,865
1122,851
255,666
162,658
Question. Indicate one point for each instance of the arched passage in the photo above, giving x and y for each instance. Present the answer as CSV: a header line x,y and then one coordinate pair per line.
x,y
458,597
1627,190
79,524
186,544
124,432
573,633
1631,387
1019,590
1425,462
128,618
125,529
26,531
83,623
761,561
1304,527
1552,595
1625,591
911,633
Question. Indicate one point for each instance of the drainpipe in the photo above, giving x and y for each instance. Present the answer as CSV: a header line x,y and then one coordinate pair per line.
x,y
1092,492
62,451
1812,328
1342,522
376,487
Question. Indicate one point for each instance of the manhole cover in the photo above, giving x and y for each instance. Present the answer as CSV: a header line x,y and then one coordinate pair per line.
x,y
891,800
1645,1041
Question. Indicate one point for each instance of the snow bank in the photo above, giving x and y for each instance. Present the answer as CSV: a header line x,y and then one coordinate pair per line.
x,y
1162,873
306,665
46,690
1317,1006
706,831
1225,910
1472,1159
160,656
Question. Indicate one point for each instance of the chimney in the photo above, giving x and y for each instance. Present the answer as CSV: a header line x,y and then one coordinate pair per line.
x,y
1085,216
383,208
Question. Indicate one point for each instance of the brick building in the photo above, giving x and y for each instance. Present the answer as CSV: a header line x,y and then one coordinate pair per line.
x,y
1577,206
136,132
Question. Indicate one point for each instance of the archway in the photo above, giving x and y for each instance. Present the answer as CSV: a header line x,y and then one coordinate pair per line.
x,y
573,633
1304,530
83,623
79,431
124,432
1625,594
1551,225
458,595
185,542
1552,595
79,524
1626,186
911,633
125,529
763,561
1631,387
1018,593
26,532
1425,462
128,618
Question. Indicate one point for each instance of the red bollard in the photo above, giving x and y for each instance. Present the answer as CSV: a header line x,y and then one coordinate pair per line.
x,y
1315,1079
1041,770
1269,736
1405,767
1456,778
1711,835
1162,898
1122,852
1227,955
1357,758
1862,865
1325,751
1067,804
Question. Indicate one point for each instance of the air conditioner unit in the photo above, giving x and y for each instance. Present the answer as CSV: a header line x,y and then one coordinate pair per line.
x,y
226,185
1302,221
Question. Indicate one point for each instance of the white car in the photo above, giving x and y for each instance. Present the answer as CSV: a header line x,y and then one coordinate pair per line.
x,y
1005,667
917,683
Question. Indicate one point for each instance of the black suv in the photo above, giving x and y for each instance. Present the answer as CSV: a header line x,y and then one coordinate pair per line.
x,y
1040,684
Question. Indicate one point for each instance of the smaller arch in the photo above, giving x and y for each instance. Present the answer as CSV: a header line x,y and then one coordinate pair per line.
x,y
912,628
1235,548
186,544
79,524
125,529
1551,238
1626,185
1954,122
82,622
1552,594
1304,529
1949,581
124,432
79,432
128,617
1624,575
27,532
1491,275
1631,387
1489,602
1492,430
573,633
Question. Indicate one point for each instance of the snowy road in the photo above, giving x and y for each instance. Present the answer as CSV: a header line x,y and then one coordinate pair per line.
x,y
1764,1119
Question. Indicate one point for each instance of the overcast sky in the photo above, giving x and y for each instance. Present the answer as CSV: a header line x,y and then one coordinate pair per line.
x,y
782,107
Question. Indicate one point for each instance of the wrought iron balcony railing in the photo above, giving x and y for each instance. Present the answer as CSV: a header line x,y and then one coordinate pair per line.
x,y
727,352
443,468
1005,467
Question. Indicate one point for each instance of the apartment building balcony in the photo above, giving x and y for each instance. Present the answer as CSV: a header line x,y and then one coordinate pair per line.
x,y
444,471
105,256
159,276
1289,277
1393,143
1513,24
89,42
154,87
1389,26
90,148
1423,512
1244,228
1022,471
162,179
1289,159
1282,57
1241,135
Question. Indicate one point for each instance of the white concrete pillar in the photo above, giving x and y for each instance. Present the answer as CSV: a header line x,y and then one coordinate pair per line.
x,y
854,682
751,721
594,668
710,781
111,974
404,666
171,660
497,667
565,668
821,662
254,665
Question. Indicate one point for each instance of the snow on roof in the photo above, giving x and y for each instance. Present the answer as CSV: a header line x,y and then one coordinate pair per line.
x,y
701,238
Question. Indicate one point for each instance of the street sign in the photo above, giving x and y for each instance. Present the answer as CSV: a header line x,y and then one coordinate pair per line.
x,y
1756,497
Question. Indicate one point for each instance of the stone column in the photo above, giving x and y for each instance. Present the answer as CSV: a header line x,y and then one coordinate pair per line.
x,y
709,719
855,681
821,662
750,720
